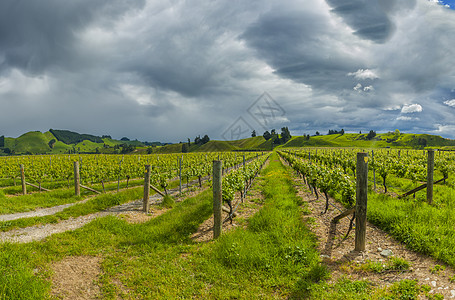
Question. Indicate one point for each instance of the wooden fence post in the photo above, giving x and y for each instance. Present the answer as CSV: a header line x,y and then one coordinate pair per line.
x,y
77,187
374,171
24,187
180,176
361,201
146,203
217,198
244,188
430,172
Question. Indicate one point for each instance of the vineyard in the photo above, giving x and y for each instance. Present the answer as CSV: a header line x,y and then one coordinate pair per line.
x,y
425,226
235,265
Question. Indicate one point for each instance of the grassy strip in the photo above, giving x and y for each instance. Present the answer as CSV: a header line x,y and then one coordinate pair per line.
x,y
24,203
109,186
424,228
95,204
30,202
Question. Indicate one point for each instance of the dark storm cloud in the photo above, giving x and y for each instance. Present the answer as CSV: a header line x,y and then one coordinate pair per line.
x,y
35,35
295,43
172,70
367,18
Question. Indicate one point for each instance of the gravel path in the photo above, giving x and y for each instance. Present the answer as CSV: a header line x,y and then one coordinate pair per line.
x,y
39,232
39,212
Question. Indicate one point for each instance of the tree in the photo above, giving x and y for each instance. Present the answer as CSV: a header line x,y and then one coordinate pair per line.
x,y
127,148
2,141
185,148
267,135
106,137
189,142
371,135
317,133
285,135
205,139
253,134
125,139
197,140
342,131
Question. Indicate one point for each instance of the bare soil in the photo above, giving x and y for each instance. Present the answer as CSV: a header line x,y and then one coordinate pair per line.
x,y
75,277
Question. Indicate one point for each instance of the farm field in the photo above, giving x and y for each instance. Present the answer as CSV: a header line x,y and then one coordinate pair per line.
x,y
272,250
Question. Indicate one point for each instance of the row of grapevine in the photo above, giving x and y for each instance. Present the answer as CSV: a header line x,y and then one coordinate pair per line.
x,y
239,179
103,168
409,164
325,177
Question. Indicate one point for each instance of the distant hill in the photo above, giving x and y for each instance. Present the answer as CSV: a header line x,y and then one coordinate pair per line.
x,y
381,140
64,141
254,143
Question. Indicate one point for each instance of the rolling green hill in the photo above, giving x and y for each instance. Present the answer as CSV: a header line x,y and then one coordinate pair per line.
x,y
382,140
36,142
30,143
254,143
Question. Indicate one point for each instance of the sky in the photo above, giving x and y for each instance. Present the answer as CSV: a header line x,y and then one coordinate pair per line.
x,y
171,70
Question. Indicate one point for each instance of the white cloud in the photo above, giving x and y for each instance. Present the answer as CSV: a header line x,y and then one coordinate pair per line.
x,y
411,108
369,88
358,87
444,130
450,103
362,74
404,118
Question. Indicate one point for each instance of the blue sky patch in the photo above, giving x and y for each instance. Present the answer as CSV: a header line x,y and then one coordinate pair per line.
x,y
450,3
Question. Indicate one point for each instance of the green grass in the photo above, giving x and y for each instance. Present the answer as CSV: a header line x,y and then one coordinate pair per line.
x,y
425,228
25,203
392,264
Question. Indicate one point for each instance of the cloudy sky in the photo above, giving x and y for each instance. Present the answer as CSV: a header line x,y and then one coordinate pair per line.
x,y
168,70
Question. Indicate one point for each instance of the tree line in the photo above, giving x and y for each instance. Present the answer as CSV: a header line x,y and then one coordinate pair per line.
x,y
197,141
276,139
